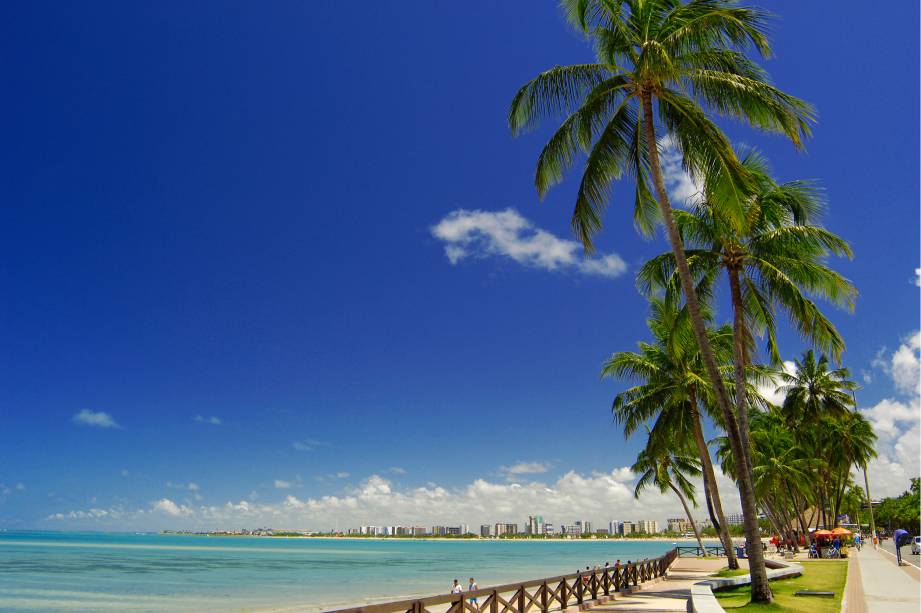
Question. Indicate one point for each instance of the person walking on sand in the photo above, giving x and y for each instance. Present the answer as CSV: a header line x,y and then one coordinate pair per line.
x,y
456,588
472,588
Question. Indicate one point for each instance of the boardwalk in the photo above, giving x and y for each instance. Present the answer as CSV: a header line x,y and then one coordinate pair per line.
x,y
670,594
877,585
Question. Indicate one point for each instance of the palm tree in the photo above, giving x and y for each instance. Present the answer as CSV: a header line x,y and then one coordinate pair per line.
x,y
852,438
814,396
781,471
671,382
813,392
775,260
678,59
667,466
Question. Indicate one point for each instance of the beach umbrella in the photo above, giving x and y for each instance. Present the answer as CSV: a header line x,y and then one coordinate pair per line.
x,y
822,534
841,532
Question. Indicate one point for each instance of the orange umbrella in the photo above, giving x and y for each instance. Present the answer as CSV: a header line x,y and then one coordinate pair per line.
x,y
822,533
841,531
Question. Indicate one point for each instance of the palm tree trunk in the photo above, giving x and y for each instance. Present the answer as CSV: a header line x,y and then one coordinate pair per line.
x,y
761,590
796,510
775,524
787,523
719,521
687,512
781,520
739,362
840,486
708,498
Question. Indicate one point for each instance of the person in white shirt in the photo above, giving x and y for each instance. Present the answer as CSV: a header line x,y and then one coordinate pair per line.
x,y
456,588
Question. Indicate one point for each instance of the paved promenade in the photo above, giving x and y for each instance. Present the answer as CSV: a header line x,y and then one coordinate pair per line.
x,y
877,585
670,594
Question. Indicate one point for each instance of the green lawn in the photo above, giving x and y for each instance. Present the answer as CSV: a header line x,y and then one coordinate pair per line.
x,y
725,572
823,576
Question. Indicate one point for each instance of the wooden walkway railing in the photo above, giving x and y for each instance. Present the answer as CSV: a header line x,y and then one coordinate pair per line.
x,y
697,552
539,594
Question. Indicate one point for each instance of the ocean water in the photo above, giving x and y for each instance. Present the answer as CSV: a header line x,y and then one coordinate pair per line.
x,y
69,571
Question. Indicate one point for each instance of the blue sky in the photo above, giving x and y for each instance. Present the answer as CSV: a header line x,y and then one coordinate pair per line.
x,y
218,231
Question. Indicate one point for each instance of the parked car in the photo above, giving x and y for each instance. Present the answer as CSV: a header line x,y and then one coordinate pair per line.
x,y
916,545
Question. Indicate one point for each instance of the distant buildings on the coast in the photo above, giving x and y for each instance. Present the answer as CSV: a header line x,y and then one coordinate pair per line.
x,y
535,527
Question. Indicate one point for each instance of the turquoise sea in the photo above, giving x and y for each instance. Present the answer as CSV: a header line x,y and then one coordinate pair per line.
x,y
70,571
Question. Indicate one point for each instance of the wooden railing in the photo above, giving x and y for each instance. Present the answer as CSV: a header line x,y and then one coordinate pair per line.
x,y
539,594
697,552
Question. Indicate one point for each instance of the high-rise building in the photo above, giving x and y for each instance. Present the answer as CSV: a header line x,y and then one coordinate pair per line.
x,y
485,530
503,529
626,528
735,519
613,527
549,529
535,524
571,530
679,524
584,526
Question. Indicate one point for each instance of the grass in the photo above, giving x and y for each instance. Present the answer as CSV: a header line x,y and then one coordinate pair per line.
x,y
822,576
727,572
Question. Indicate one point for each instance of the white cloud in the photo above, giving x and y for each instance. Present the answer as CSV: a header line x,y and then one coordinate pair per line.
x,y
897,421
683,190
172,509
212,420
597,496
92,514
518,469
97,419
917,279
507,233
906,365
770,391
282,485
20,487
